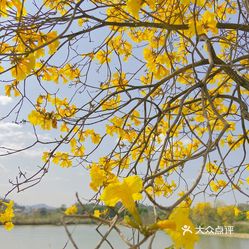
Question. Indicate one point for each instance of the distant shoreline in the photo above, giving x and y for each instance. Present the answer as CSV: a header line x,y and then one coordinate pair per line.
x,y
233,235
51,223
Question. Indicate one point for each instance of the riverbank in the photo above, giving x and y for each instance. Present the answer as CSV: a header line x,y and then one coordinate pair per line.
x,y
201,215
232,235
52,218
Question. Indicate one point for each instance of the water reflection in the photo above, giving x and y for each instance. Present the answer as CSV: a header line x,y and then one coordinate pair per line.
x,y
52,237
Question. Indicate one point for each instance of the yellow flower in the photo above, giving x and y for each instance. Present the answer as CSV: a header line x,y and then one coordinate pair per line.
x,y
98,176
52,46
96,213
199,118
102,57
212,168
166,224
62,158
71,210
236,211
7,5
12,87
6,214
64,127
204,25
3,8
45,156
247,215
23,67
47,120
217,186
119,81
127,192
111,103
96,138
247,179
8,226
134,7
180,216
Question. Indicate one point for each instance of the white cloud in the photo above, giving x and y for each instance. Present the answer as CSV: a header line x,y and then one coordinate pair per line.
x,y
7,126
5,100
11,132
16,137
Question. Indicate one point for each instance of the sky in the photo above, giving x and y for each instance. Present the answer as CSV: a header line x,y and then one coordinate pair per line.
x,y
59,185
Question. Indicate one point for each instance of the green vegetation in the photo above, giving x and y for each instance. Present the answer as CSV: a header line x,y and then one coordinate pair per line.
x,y
43,216
202,214
37,218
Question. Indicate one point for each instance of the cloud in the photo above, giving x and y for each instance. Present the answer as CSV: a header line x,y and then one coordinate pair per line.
x,y
11,132
5,100
16,137
7,126
19,132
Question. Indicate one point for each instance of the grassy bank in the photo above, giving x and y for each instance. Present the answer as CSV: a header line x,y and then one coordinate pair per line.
x,y
47,219
203,214
233,235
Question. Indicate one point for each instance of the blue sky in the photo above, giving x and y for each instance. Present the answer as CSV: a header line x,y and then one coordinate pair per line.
x,y
59,185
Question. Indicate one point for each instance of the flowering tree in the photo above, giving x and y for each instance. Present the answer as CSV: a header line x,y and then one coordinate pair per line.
x,y
150,97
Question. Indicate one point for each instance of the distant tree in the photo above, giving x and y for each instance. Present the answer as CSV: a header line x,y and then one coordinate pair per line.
x,y
226,215
126,90
43,211
63,207
203,214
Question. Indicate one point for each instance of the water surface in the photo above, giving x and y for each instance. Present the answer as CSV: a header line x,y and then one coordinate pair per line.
x,y
86,237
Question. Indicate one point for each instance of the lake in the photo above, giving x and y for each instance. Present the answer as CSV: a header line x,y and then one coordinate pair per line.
x,y
54,237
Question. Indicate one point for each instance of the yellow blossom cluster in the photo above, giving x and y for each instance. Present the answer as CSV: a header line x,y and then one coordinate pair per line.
x,y
217,185
71,210
161,187
12,88
6,214
47,120
60,6
56,75
63,159
97,213
7,5
101,173
121,47
213,168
